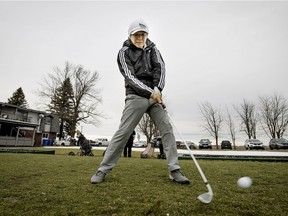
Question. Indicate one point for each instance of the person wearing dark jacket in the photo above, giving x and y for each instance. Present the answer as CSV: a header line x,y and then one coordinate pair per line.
x,y
143,69
129,144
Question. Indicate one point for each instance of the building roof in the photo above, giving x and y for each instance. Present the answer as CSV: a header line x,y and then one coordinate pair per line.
x,y
20,108
18,123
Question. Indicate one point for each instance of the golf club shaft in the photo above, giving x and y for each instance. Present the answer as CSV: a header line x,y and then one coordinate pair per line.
x,y
190,152
206,197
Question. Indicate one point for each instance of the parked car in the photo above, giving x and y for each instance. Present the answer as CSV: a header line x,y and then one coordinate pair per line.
x,y
140,143
93,143
205,143
253,144
178,144
101,142
278,143
181,145
226,144
65,142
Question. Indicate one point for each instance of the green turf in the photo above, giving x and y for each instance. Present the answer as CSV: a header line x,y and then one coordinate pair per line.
x,y
33,184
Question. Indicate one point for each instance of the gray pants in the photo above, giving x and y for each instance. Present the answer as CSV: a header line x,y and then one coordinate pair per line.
x,y
135,108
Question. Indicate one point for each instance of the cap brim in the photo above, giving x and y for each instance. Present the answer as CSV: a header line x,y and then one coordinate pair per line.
x,y
138,30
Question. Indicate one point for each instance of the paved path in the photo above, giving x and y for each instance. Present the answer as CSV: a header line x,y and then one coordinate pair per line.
x,y
275,153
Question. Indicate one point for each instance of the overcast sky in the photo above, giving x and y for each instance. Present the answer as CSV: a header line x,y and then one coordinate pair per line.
x,y
221,52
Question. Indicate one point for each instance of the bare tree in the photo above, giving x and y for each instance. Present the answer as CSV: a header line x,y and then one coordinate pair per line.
x,y
213,120
231,127
86,97
274,115
248,116
147,127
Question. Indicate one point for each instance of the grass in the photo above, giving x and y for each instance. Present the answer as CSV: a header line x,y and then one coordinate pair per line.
x,y
33,184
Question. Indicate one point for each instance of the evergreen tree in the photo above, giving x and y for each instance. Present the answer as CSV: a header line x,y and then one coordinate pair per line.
x,y
18,98
62,105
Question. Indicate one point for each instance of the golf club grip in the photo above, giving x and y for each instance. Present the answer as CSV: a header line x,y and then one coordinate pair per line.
x,y
156,89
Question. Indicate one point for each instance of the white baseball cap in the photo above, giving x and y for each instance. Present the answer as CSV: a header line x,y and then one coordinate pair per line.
x,y
136,26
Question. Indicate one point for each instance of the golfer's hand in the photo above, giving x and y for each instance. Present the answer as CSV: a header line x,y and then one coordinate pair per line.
x,y
157,97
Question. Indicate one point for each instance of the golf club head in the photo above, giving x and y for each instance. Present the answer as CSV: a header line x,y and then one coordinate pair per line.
x,y
205,198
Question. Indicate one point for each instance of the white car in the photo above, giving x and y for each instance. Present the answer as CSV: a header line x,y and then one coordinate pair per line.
x,y
101,142
253,144
140,143
65,142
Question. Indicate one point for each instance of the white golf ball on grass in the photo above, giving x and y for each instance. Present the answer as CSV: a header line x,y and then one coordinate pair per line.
x,y
244,182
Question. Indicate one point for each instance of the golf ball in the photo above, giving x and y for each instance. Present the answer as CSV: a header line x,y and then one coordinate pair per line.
x,y
244,182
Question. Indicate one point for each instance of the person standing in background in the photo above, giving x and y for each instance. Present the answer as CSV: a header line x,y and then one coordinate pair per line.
x,y
129,144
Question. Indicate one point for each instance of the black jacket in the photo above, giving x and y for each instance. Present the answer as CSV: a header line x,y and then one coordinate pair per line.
x,y
143,69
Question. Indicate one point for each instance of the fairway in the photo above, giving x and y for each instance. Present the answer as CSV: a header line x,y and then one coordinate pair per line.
x,y
59,184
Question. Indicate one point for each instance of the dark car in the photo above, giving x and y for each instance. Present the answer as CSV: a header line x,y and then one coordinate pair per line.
x,y
278,143
181,145
226,144
205,143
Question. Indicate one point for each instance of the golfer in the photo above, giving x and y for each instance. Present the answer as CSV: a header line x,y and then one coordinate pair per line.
x,y
143,69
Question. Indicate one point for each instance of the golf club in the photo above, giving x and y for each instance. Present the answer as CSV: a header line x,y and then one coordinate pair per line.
x,y
205,197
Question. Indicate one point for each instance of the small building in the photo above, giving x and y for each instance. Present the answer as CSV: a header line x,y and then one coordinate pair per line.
x,y
26,127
